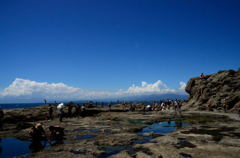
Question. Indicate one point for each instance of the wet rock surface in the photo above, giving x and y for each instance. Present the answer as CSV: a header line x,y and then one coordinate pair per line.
x,y
119,134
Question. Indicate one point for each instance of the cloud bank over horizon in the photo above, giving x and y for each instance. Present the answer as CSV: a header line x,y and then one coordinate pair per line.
x,y
30,90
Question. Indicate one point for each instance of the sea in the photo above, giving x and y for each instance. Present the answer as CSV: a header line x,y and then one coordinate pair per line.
x,y
29,105
19,105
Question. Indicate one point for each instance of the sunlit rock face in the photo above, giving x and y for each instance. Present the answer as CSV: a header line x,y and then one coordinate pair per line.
x,y
215,89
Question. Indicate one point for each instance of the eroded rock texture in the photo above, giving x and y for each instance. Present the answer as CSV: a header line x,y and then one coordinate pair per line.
x,y
216,89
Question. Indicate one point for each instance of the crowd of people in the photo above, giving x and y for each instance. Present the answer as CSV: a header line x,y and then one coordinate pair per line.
x,y
69,110
72,110
161,105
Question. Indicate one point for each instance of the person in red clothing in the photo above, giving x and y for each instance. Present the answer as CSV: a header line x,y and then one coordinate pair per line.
x,y
202,75
209,105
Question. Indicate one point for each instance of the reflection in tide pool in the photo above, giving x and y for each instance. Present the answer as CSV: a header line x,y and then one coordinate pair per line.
x,y
164,127
156,129
11,147
84,137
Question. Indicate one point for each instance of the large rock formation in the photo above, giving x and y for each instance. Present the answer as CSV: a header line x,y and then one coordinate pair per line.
x,y
216,89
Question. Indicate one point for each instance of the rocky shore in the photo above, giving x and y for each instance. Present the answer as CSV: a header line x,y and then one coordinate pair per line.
x,y
198,132
116,134
215,90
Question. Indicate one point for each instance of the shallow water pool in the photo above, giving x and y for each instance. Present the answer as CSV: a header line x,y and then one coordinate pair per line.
x,y
11,147
157,129
164,127
85,137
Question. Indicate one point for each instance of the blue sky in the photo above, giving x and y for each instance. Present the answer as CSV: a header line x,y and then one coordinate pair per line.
x,y
109,45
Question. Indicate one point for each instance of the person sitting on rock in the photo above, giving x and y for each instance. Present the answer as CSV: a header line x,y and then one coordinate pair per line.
x,y
202,75
56,133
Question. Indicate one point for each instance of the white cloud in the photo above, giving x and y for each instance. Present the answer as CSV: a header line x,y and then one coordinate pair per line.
x,y
22,88
157,87
182,86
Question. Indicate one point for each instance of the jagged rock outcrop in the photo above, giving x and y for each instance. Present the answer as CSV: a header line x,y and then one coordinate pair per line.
x,y
216,89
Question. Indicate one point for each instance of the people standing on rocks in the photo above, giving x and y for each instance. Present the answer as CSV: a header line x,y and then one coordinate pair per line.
x,y
45,101
77,111
69,110
83,110
124,106
61,114
209,105
148,108
110,105
50,112
162,106
177,107
202,75
1,118
132,107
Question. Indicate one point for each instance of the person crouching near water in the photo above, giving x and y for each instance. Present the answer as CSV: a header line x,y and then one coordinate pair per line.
x,y
37,133
56,134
